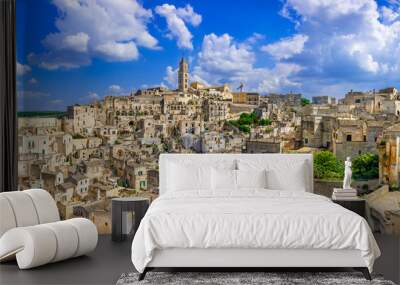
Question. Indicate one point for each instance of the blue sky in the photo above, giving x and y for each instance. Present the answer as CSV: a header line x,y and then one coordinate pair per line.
x,y
74,51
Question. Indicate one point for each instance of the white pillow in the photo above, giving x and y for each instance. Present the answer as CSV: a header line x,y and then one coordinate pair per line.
x,y
184,177
223,179
282,173
293,179
251,178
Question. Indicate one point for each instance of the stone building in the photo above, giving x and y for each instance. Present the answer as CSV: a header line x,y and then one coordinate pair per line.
x,y
263,146
249,98
389,156
191,126
350,138
323,100
84,118
136,175
81,183
183,76
213,142
215,111
290,99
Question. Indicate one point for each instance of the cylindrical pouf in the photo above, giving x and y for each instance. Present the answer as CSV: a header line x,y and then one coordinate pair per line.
x,y
7,218
67,239
46,207
87,235
34,246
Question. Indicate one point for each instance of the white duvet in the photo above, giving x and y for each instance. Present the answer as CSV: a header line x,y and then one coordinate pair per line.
x,y
250,219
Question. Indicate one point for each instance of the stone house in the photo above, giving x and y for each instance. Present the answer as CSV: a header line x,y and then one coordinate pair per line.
x,y
84,118
213,142
136,175
349,138
81,183
389,156
51,179
215,111
323,100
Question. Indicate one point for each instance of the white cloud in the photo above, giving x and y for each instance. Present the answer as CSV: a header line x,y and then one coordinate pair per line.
x,y
171,77
223,60
113,51
254,38
176,19
388,15
33,81
23,69
93,96
114,88
286,47
222,55
108,29
76,42
349,43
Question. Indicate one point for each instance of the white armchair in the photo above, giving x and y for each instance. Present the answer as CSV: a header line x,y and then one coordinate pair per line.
x,y
31,230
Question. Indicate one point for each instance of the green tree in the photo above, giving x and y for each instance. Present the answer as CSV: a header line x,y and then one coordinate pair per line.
x,y
265,122
366,166
305,101
244,128
327,166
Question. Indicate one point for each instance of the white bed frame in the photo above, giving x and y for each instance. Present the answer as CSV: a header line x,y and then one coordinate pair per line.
x,y
250,258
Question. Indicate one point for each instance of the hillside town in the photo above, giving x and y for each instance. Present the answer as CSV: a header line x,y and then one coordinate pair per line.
x,y
110,147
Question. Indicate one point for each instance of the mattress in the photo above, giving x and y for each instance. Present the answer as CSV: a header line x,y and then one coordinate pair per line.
x,y
250,219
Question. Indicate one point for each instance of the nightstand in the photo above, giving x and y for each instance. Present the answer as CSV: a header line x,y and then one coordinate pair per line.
x,y
357,205
126,216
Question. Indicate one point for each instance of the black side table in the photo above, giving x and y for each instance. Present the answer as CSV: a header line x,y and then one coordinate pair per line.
x,y
357,205
138,205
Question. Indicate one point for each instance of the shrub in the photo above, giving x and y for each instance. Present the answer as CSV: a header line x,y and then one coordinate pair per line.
x,y
366,166
244,128
305,102
247,120
265,122
327,166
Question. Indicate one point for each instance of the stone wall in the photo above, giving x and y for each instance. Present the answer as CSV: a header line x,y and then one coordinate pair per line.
x,y
325,187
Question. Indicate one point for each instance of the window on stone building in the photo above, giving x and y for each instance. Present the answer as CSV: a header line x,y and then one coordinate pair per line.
x,y
365,138
348,138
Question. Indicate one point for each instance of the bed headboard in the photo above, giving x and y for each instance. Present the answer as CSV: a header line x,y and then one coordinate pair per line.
x,y
232,158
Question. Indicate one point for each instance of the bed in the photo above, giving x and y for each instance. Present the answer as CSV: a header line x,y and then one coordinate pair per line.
x,y
247,210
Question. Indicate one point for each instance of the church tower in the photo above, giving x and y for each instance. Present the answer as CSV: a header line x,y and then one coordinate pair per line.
x,y
183,77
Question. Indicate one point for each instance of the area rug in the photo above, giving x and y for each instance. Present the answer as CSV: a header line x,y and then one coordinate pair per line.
x,y
243,278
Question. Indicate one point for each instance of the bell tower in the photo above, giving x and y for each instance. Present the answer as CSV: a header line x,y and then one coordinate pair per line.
x,y
183,77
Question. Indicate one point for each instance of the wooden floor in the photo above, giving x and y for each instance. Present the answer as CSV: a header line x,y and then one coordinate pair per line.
x,y
110,260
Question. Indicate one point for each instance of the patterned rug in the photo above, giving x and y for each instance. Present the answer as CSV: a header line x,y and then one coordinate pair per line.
x,y
243,278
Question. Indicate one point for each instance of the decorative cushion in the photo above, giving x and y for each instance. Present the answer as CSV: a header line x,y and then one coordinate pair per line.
x,y
251,178
224,179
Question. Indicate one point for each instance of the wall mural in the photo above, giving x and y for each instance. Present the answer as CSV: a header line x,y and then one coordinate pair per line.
x,y
104,87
